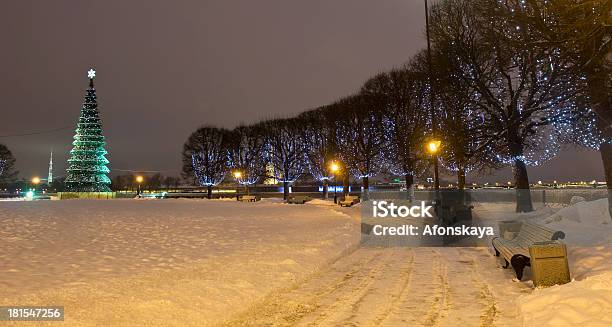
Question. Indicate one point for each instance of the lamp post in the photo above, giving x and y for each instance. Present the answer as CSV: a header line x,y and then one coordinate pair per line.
x,y
237,176
334,167
434,126
35,181
139,180
433,147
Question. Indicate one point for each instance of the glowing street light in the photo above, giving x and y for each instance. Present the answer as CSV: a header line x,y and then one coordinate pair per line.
x,y
335,168
238,175
433,146
35,181
139,180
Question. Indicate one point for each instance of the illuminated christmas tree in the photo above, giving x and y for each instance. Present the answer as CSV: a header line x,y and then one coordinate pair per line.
x,y
87,164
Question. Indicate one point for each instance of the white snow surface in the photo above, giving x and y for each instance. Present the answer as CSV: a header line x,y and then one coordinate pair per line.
x,y
587,300
207,262
164,262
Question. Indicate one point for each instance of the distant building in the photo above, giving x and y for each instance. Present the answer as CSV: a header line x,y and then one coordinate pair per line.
x,y
270,173
50,177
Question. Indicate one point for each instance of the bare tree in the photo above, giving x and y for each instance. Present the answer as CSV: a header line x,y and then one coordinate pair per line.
x,y
525,95
401,96
154,182
205,155
168,182
464,137
7,165
285,150
360,137
319,147
246,153
581,32
118,183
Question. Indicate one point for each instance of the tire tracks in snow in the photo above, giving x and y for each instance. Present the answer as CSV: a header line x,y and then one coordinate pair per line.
x,y
331,296
426,300
473,303
386,287
376,297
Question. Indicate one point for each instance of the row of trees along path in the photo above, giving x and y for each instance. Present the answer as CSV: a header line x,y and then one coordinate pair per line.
x,y
512,83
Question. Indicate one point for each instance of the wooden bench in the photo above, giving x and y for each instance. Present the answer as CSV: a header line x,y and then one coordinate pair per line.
x,y
349,201
249,198
298,199
516,250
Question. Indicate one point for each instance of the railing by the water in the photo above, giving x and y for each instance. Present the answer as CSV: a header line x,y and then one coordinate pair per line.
x,y
539,196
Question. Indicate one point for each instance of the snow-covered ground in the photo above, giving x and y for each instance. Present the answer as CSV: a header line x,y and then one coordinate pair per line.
x,y
586,301
161,262
202,262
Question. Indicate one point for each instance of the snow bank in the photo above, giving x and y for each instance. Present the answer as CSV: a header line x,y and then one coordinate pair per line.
x,y
579,303
588,234
320,202
587,300
591,212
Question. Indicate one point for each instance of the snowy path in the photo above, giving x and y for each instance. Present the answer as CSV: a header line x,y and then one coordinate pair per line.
x,y
395,287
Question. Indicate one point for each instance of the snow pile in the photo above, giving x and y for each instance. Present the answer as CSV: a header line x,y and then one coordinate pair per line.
x,y
592,212
321,202
587,300
579,303
588,235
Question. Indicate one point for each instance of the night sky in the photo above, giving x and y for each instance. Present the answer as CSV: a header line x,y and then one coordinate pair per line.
x,y
166,67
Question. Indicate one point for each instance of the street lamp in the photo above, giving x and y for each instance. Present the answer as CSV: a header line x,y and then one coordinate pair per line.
x,y
237,176
334,167
433,147
139,180
35,181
